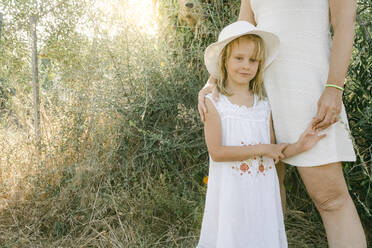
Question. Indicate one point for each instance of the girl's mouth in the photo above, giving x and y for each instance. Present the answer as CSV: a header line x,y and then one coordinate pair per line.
x,y
244,74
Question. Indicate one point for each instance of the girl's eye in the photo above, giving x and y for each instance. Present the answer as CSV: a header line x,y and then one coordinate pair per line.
x,y
239,58
253,60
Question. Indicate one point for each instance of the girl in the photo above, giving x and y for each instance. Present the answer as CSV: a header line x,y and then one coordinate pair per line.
x,y
305,84
243,207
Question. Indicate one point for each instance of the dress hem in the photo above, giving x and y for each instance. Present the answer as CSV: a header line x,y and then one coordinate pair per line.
x,y
323,162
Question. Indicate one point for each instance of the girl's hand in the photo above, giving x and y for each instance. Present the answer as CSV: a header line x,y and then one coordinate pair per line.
x,y
329,108
275,151
309,139
210,87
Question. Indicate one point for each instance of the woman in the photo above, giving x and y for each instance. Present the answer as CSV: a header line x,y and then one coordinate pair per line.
x,y
304,85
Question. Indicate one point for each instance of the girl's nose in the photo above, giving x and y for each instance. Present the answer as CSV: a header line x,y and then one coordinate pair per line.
x,y
246,64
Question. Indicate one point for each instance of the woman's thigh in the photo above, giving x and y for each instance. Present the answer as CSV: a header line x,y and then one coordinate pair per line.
x,y
326,185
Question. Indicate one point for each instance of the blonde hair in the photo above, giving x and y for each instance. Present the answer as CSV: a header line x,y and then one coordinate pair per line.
x,y
256,84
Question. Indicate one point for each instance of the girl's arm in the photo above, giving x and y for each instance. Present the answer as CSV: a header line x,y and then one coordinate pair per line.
x,y
246,13
343,14
307,140
220,153
292,149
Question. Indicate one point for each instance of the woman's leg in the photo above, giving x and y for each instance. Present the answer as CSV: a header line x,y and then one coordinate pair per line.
x,y
327,188
280,169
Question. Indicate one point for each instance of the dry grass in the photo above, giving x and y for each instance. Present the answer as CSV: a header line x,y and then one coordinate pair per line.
x,y
122,159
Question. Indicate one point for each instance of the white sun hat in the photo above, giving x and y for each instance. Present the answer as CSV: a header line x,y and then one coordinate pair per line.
x,y
233,31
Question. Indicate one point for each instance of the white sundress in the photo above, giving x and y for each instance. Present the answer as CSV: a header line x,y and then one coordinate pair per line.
x,y
243,206
295,80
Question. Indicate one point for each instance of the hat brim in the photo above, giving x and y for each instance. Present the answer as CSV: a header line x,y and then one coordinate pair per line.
x,y
212,52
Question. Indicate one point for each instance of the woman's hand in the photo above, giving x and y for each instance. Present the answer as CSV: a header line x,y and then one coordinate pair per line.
x,y
329,108
309,139
275,151
210,87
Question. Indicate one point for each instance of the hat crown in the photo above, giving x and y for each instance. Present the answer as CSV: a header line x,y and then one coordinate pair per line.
x,y
235,29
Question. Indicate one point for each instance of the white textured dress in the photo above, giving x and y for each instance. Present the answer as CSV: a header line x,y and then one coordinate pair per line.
x,y
295,80
243,207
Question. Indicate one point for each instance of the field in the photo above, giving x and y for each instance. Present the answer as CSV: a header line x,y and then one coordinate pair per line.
x,y
121,156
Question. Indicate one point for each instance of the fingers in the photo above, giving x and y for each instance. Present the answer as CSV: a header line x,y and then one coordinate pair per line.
x,y
336,119
201,99
212,80
201,113
215,93
280,154
310,132
319,117
328,120
282,146
278,157
210,87
310,129
321,136
276,160
202,108
326,116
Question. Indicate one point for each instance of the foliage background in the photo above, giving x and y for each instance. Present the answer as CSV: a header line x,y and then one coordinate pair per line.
x,y
122,155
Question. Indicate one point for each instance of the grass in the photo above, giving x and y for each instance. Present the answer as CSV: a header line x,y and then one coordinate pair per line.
x,y
122,158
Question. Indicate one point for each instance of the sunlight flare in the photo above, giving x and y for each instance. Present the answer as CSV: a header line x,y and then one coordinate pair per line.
x,y
111,16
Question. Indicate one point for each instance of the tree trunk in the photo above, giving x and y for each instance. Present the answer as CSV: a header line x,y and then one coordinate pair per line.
x,y
35,78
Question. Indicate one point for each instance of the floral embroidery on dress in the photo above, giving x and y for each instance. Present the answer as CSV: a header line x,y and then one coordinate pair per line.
x,y
262,168
246,165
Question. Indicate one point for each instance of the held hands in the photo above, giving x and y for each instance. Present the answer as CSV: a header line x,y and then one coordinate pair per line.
x,y
309,139
210,87
275,151
329,108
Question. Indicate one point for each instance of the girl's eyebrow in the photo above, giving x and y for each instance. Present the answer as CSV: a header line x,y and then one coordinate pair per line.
x,y
240,54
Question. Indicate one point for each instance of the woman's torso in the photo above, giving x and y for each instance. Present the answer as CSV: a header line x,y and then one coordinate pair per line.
x,y
303,27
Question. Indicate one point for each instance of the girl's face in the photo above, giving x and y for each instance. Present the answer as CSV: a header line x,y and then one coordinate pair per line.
x,y
242,65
